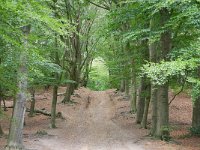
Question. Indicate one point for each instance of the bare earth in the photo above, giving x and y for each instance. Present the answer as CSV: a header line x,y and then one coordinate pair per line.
x,y
100,120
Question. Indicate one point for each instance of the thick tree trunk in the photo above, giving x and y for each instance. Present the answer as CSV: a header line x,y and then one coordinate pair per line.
x,y
15,140
196,114
196,108
162,127
159,94
32,107
68,93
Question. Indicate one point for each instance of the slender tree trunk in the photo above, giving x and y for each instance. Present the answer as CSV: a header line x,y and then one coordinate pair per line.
x,y
53,106
127,88
32,107
15,140
141,101
133,90
146,108
55,89
122,85
1,131
154,102
153,58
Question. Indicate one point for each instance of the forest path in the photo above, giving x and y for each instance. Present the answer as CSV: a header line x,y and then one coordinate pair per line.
x,y
90,126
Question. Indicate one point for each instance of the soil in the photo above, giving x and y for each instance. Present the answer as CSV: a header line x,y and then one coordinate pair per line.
x,y
100,120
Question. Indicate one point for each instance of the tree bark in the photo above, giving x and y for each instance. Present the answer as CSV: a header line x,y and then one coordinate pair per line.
x,y
196,108
68,93
196,114
55,88
154,102
146,108
53,107
122,85
133,90
32,107
141,101
162,127
127,88
1,131
153,58
15,140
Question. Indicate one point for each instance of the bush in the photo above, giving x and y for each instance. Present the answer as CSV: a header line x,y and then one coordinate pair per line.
x,y
195,131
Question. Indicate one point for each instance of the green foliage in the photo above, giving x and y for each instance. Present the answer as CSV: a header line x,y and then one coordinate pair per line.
x,y
98,76
195,131
160,73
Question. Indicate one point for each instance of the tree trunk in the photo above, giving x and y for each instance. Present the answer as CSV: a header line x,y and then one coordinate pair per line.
x,y
133,90
15,140
53,106
154,102
55,88
127,88
196,114
153,58
122,85
32,107
141,101
68,93
162,127
1,131
146,108
196,108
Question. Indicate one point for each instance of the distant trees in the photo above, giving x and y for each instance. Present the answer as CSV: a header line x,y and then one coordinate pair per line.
x,y
168,31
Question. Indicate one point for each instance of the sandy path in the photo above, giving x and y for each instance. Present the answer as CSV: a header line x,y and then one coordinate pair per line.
x,y
91,127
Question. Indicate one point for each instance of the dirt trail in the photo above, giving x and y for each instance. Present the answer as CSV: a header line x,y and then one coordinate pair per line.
x,y
91,126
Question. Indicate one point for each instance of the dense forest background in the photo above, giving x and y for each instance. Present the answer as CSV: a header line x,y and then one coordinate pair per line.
x,y
142,48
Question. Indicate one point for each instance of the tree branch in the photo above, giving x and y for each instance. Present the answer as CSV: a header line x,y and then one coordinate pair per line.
x,y
178,92
103,7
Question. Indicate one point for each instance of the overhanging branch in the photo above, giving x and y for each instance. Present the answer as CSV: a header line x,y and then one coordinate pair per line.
x,y
103,7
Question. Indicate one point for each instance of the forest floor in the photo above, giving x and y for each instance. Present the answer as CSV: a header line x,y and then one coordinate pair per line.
x,y
100,120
